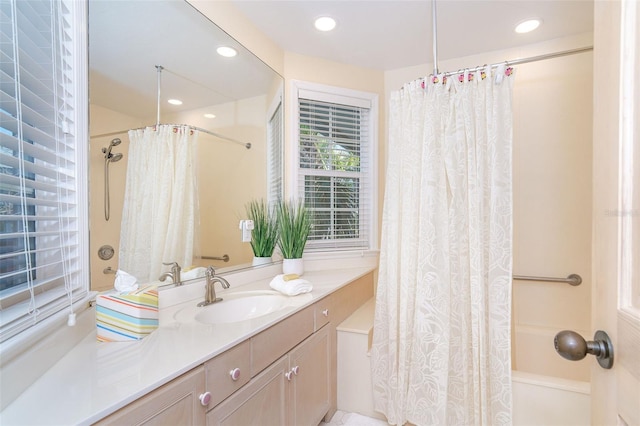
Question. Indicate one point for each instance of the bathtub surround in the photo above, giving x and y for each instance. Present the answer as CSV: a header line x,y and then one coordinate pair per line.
x,y
441,343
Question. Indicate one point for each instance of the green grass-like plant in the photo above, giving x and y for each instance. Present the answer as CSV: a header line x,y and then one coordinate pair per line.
x,y
264,236
294,222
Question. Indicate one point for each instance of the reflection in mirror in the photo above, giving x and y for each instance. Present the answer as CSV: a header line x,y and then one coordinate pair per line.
x,y
237,97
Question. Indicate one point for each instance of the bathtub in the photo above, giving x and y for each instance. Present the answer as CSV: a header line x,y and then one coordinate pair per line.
x,y
546,400
538,399
547,389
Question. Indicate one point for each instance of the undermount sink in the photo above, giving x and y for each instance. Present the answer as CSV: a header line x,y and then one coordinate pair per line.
x,y
240,306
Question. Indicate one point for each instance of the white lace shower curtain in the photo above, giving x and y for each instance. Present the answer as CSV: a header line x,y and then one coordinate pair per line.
x,y
441,344
160,214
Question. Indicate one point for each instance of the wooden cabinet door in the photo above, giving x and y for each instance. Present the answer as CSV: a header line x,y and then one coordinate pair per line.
x,y
309,387
262,401
176,403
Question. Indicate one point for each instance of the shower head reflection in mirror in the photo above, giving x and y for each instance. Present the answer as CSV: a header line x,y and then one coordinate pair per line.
x,y
107,151
109,157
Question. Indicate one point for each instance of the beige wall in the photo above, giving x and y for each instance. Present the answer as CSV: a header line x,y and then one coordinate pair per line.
x,y
101,231
552,173
293,66
229,173
552,195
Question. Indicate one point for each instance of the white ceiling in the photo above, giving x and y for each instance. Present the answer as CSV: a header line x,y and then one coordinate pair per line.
x,y
392,34
127,38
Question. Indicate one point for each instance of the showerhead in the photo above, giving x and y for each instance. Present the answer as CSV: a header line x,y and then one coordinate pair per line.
x,y
107,151
115,157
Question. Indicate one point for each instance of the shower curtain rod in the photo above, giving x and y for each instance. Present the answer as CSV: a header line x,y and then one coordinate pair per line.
x,y
524,60
200,129
159,69
434,34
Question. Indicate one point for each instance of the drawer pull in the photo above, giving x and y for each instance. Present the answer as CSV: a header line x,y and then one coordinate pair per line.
x,y
325,312
235,374
288,375
295,370
205,398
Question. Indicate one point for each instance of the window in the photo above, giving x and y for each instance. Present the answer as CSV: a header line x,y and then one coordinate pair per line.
x,y
43,203
275,171
336,165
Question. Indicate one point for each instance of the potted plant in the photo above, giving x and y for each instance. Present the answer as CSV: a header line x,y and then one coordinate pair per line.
x,y
264,236
294,223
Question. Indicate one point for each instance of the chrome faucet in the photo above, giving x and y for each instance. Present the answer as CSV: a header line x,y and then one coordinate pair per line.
x,y
174,274
210,290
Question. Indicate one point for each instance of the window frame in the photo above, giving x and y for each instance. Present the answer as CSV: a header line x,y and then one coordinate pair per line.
x,y
275,150
340,96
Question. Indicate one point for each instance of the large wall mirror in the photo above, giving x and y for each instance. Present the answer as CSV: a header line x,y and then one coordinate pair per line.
x,y
230,96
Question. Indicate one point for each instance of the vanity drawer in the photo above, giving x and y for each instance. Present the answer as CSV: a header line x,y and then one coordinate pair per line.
x,y
322,312
277,340
228,372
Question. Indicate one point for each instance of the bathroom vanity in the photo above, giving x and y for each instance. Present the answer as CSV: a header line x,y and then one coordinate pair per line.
x,y
285,374
279,368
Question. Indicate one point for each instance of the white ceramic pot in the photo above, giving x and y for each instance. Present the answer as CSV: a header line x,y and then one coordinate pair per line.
x,y
292,266
260,260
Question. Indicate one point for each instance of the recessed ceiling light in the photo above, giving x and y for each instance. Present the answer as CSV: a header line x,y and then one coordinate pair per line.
x,y
175,101
226,51
210,115
527,26
325,23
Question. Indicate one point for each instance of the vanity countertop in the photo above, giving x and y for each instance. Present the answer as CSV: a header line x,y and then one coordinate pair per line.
x,y
95,379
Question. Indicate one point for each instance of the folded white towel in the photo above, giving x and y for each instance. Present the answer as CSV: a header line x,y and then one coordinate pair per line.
x,y
291,287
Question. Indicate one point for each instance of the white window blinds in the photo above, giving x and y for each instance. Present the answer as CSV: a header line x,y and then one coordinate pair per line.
x,y
275,155
42,159
334,174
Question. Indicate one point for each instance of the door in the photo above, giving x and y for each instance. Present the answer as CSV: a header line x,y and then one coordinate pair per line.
x,y
616,170
263,401
309,387
176,403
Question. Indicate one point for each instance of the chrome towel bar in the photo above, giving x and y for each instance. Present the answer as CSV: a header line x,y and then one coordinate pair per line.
x,y
573,279
224,257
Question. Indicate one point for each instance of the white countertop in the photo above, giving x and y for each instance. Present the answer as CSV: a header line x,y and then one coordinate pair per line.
x,y
96,379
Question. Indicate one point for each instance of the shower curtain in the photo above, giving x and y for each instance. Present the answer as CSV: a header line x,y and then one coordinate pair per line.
x,y
160,214
441,343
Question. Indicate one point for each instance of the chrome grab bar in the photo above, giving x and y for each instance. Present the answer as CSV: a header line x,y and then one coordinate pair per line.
x,y
224,257
573,279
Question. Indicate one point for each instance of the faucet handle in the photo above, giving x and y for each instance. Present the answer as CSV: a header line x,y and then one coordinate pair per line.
x,y
211,272
173,265
175,271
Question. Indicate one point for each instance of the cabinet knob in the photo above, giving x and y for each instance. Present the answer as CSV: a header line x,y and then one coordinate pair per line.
x,y
325,312
205,398
295,370
288,375
235,374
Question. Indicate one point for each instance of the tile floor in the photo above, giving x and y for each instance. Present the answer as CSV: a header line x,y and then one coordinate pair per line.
x,y
342,418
